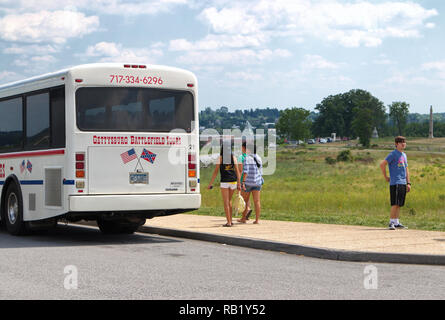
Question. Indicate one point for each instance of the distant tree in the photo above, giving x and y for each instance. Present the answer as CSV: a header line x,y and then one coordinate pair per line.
x,y
362,125
334,116
398,112
294,124
338,113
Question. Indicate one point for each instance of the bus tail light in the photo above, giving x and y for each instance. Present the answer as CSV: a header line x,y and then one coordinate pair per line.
x,y
192,173
80,184
80,174
193,183
80,169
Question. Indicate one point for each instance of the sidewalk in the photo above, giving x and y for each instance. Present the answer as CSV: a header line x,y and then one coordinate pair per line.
x,y
338,242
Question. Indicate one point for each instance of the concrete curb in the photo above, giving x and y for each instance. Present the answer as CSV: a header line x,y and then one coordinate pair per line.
x,y
313,252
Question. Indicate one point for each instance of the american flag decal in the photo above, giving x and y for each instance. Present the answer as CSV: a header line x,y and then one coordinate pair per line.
x,y
29,166
128,156
149,156
22,166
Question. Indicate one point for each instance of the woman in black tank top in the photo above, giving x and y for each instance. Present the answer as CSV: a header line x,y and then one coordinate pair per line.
x,y
230,179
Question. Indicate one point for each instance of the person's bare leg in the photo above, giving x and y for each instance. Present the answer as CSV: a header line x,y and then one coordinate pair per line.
x,y
257,202
395,212
226,201
231,192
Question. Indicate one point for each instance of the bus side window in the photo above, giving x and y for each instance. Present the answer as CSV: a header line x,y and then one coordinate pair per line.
x,y
37,121
57,97
11,125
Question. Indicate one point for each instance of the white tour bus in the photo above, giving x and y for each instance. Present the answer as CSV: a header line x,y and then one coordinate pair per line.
x,y
115,143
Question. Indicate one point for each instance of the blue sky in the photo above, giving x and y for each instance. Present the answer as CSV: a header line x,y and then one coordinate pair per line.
x,y
246,54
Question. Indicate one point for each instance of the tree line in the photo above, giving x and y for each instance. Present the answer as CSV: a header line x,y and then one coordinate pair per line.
x,y
351,114
355,114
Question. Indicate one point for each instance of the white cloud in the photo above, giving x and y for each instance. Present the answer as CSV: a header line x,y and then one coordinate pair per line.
x,y
318,62
215,42
349,24
435,66
430,74
32,49
243,76
234,20
383,60
115,52
35,63
7,76
242,56
113,7
44,26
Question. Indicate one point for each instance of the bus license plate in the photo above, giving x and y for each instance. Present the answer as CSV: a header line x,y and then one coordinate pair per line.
x,y
138,178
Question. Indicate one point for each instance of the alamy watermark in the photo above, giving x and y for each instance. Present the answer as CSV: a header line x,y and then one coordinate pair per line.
x,y
72,277
233,139
371,277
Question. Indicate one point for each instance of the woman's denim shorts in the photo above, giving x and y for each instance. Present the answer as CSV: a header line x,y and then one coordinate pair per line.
x,y
253,188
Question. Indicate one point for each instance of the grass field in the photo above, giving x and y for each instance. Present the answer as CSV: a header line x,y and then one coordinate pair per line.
x,y
305,188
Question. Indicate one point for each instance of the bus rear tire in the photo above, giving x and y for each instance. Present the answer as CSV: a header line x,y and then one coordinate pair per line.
x,y
13,211
117,226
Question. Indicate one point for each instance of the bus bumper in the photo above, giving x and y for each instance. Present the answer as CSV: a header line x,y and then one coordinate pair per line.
x,y
90,203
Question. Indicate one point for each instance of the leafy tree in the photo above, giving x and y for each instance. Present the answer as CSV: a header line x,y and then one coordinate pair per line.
x,y
334,116
398,112
344,114
362,125
294,124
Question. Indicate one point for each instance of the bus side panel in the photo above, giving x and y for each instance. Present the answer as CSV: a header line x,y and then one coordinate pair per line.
x,y
43,183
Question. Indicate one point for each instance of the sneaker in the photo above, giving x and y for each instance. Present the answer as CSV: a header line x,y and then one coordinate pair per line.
x,y
391,226
400,226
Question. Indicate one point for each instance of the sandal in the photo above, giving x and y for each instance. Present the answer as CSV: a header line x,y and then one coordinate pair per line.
x,y
227,225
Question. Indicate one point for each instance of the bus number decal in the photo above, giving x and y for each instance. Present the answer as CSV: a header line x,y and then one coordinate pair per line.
x,y
117,78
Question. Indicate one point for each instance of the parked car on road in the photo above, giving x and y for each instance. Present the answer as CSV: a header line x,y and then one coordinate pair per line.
x,y
311,141
322,140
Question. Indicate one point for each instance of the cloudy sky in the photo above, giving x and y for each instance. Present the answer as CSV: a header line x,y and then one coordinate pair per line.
x,y
246,54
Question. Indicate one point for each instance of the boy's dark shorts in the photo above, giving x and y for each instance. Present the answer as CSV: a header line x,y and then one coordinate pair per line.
x,y
398,194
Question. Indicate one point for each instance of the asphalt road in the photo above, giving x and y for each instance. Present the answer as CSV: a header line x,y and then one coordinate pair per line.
x,y
143,266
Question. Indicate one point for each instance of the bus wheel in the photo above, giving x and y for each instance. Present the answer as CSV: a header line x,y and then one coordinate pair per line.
x,y
117,226
13,211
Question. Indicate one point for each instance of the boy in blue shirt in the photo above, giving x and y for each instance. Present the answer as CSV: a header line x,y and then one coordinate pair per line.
x,y
399,180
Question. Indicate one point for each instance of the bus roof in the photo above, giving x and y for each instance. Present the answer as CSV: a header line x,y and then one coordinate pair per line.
x,y
90,66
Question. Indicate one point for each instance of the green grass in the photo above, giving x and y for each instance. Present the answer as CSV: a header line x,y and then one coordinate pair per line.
x,y
305,188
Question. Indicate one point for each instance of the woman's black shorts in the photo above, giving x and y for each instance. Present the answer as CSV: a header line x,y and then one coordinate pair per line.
x,y
398,194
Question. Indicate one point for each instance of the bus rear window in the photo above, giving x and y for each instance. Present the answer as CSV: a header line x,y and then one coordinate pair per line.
x,y
134,109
